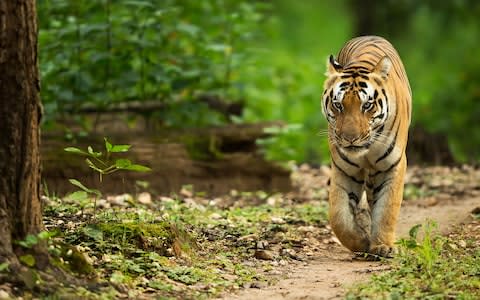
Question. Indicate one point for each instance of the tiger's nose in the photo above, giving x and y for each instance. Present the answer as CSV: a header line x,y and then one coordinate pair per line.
x,y
349,136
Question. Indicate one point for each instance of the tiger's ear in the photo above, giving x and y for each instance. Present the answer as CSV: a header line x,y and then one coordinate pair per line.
x,y
333,66
383,67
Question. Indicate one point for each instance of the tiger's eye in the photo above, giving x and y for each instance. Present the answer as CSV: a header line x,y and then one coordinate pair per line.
x,y
337,105
367,105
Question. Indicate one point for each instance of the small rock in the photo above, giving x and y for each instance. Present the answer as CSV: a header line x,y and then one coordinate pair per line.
x,y
249,237
462,244
291,253
262,244
144,198
277,220
258,285
430,201
304,167
216,216
166,199
70,225
190,202
324,170
215,201
335,284
263,255
4,295
335,240
103,203
306,229
120,200
272,201
274,272
186,191
453,246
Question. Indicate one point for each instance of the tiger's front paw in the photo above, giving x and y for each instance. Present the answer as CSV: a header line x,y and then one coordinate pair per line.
x,y
382,250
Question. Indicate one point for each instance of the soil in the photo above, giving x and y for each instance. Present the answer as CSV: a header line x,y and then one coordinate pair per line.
x,y
331,271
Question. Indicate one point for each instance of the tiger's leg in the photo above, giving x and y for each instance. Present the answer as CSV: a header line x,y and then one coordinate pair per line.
x,y
349,220
385,202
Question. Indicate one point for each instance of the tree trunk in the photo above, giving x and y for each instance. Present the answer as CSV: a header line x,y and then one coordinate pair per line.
x,y
20,113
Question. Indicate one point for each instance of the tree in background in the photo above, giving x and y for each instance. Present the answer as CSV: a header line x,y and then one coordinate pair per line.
x,y
20,113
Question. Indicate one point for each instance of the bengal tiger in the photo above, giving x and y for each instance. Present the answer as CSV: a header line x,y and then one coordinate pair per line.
x,y
367,104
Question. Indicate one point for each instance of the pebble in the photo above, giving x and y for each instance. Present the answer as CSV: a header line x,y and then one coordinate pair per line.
x,y
144,198
120,200
249,237
262,244
325,171
4,295
277,220
216,216
103,203
263,255
306,229
258,285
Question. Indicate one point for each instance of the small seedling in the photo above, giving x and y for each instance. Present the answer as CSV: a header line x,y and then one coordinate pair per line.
x,y
103,164
428,249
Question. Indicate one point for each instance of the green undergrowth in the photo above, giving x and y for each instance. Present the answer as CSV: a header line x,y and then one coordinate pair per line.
x,y
429,266
170,249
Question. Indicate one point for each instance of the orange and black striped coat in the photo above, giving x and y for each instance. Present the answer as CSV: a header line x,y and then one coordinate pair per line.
x,y
367,103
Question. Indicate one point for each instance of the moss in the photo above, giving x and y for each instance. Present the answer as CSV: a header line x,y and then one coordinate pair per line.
x,y
161,237
69,258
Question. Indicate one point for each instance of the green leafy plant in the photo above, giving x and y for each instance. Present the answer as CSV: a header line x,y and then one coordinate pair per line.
x,y
427,250
103,164
428,266
33,239
30,241
101,53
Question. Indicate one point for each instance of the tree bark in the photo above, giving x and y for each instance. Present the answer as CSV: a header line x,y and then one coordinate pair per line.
x,y
20,113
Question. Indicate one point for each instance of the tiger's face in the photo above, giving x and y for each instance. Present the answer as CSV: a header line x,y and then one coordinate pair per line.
x,y
355,104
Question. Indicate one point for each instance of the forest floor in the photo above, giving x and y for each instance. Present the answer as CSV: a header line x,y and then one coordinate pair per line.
x,y
331,272
259,245
448,196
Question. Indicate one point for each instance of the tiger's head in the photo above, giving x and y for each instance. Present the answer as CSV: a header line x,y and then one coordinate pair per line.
x,y
355,103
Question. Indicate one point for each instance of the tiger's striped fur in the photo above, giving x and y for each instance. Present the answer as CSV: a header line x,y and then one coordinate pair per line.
x,y
367,103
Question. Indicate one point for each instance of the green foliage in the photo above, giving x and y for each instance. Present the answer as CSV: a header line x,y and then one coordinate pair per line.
x,y
103,164
427,252
445,93
29,242
432,268
32,240
174,247
286,80
104,52
28,260
4,267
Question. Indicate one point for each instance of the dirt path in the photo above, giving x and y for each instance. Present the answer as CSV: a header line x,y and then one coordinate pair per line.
x,y
328,276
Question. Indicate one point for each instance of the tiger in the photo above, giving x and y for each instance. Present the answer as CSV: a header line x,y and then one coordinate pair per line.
x,y
367,105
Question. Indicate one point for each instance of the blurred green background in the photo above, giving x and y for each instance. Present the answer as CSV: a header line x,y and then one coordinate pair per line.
x,y
269,57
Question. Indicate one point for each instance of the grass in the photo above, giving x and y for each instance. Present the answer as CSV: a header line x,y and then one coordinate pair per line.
x,y
170,249
428,267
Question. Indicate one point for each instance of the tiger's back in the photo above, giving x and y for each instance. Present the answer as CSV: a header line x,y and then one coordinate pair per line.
x,y
367,103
